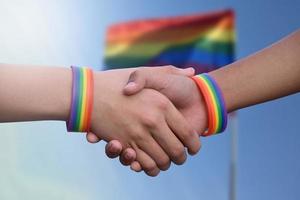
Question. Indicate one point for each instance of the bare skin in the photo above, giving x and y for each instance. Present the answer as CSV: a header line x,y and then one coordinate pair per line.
x,y
147,122
271,73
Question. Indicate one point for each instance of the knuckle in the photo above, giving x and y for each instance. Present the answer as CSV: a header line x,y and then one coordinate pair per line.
x,y
138,136
151,120
163,104
134,134
170,68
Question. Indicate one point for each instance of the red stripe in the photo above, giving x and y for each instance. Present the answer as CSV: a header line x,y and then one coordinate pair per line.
x,y
210,109
90,99
172,22
87,100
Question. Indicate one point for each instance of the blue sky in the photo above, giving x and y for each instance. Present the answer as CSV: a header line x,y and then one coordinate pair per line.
x,y
41,161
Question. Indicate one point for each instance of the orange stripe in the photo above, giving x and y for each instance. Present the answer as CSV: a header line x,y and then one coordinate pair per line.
x,y
91,99
84,127
213,102
167,34
210,104
142,26
204,92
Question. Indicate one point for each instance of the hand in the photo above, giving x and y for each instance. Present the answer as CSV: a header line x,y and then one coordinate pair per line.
x,y
181,90
147,122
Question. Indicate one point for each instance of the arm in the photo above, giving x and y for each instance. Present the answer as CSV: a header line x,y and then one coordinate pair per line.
x,y
271,73
30,93
149,123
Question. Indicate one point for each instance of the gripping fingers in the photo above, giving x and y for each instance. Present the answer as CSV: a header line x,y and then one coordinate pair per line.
x,y
147,163
159,156
183,131
170,143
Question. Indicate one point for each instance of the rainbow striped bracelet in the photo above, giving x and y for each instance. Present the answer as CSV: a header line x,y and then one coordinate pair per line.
x,y
216,109
82,100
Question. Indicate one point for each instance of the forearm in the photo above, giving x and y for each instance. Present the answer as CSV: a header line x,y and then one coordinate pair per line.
x,y
34,93
271,73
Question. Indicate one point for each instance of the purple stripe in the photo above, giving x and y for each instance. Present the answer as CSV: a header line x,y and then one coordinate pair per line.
x,y
222,103
74,103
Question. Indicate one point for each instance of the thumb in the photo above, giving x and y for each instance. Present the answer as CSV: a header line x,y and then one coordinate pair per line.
x,y
181,71
136,82
149,77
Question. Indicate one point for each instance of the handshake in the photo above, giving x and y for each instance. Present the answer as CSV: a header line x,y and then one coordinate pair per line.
x,y
149,116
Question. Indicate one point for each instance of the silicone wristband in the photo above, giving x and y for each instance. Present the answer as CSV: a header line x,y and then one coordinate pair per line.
x,y
213,97
82,100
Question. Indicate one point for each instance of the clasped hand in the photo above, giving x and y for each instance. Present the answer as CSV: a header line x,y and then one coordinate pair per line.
x,y
149,116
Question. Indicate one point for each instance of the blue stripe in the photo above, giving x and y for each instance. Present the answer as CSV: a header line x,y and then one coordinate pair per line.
x,y
192,55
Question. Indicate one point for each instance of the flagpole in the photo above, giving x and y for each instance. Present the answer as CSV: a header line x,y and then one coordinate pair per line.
x,y
233,159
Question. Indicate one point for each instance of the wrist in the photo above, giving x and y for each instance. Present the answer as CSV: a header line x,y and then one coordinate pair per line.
x,y
223,81
82,100
215,105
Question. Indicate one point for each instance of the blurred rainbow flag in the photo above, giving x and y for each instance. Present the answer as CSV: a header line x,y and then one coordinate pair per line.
x,y
205,42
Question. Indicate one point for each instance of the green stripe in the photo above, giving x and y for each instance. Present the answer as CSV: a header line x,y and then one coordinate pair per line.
x,y
129,60
212,88
215,47
123,62
78,119
152,49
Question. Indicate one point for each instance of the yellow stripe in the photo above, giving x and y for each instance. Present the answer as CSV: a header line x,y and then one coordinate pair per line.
x,y
214,103
219,33
84,98
152,48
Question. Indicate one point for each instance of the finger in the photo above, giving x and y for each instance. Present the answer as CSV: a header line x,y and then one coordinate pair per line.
x,y
183,130
147,163
170,143
92,138
128,156
136,166
156,152
113,149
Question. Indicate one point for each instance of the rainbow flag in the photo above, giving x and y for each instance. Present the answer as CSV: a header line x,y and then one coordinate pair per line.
x,y
205,42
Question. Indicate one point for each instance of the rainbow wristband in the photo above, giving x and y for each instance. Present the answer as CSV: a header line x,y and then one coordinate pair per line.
x,y
217,113
82,100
